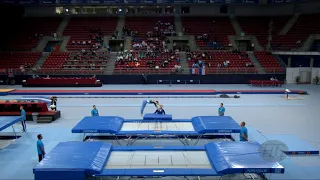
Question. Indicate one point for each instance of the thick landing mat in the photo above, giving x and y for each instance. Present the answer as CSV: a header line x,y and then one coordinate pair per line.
x,y
4,92
147,92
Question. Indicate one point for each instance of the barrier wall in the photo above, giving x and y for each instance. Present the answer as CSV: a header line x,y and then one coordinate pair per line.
x,y
153,79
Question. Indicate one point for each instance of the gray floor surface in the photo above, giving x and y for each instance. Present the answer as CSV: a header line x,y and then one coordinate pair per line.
x,y
269,114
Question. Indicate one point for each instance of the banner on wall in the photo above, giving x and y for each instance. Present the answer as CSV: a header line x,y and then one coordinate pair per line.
x,y
198,71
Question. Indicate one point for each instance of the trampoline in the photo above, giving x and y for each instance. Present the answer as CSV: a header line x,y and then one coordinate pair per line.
x,y
7,121
79,160
154,126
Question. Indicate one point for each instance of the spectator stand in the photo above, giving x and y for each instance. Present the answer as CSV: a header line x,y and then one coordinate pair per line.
x,y
147,62
210,32
216,62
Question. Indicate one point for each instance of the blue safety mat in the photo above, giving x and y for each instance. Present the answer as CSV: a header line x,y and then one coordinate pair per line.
x,y
78,160
240,157
7,121
215,124
73,160
160,117
296,146
99,124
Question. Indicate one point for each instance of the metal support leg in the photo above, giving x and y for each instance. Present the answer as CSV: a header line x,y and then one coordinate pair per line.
x,y
117,139
198,139
84,137
186,140
14,131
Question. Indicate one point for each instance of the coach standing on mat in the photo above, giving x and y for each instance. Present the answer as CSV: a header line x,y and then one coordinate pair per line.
x,y
40,148
243,132
94,111
23,119
221,110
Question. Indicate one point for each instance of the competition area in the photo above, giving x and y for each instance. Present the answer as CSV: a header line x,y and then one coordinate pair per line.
x,y
157,126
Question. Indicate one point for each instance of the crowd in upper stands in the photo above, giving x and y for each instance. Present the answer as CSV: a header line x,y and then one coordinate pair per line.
x,y
151,46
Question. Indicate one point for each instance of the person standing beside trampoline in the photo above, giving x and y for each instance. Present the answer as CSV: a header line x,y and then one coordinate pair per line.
x,y
221,110
23,119
40,148
94,111
145,102
243,132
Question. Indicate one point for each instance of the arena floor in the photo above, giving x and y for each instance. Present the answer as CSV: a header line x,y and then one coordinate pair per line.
x,y
268,114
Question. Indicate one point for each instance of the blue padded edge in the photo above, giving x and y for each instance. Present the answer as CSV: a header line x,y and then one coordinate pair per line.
x,y
158,172
141,120
158,117
7,121
86,157
239,157
99,124
215,124
158,148
147,132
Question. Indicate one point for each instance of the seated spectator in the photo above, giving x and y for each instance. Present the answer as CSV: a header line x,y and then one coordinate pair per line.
x,y
271,79
225,64
73,43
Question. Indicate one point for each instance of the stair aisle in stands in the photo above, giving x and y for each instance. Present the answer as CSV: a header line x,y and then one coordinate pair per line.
x,y
184,63
289,24
256,63
235,24
62,26
111,63
121,23
41,60
178,25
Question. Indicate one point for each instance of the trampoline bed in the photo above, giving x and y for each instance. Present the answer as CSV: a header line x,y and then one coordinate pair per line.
x,y
78,160
152,127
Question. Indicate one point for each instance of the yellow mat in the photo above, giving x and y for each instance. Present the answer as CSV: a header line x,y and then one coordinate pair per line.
x,y
5,90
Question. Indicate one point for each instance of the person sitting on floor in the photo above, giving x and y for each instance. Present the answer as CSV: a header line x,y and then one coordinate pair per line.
x,y
160,110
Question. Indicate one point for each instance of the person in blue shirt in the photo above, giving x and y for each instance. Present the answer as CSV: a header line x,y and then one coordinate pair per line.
x,y
243,132
160,110
145,102
23,119
94,111
40,148
221,110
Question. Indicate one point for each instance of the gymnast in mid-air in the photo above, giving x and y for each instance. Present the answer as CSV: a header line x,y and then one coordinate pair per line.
x,y
145,102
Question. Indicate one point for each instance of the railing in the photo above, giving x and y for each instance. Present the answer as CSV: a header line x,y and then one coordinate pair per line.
x,y
124,71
